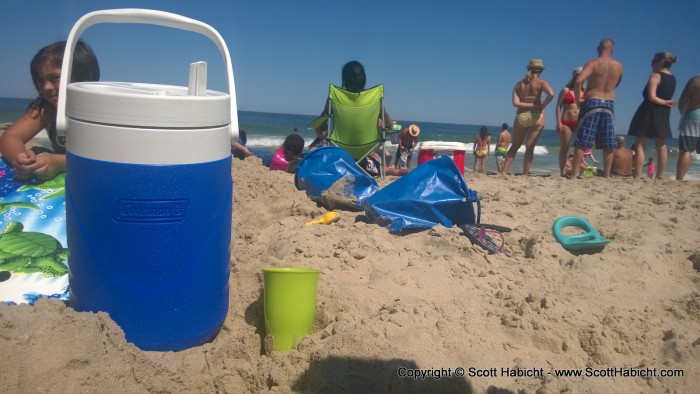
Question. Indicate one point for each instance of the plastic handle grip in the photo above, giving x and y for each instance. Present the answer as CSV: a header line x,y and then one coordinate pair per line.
x,y
142,16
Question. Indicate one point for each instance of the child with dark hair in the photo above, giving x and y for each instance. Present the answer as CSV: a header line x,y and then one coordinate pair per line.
x,y
289,154
45,69
293,151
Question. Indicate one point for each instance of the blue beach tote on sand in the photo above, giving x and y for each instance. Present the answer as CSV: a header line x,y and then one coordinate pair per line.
x,y
330,177
433,193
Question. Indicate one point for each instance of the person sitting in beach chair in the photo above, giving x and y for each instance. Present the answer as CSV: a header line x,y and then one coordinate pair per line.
x,y
356,117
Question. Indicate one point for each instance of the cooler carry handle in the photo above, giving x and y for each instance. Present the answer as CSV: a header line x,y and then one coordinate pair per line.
x,y
142,16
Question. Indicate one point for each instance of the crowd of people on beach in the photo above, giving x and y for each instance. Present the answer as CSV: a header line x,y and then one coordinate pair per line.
x,y
584,119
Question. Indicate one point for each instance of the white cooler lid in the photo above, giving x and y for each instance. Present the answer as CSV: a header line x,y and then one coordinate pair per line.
x,y
442,145
146,105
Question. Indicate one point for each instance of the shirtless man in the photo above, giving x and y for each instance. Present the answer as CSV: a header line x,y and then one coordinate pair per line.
x,y
502,146
689,137
596,119
622,158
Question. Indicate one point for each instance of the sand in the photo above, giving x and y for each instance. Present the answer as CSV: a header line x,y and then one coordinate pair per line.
x,y
428,300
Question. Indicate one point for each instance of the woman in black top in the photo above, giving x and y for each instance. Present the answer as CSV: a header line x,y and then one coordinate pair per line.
x,y
652,117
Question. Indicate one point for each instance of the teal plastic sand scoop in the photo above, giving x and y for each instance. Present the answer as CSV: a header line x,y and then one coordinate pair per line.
x,y
589,241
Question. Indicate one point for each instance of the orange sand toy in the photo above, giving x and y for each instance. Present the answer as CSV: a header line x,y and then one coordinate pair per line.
x,y
326,218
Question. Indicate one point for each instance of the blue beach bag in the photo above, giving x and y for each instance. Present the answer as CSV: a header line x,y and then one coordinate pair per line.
x,y
330,176
433,193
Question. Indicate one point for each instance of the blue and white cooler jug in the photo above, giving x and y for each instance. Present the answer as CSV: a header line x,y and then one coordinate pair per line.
x,y
149,194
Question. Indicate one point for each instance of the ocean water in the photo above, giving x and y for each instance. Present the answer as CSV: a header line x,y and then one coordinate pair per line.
x,y
266,131
12,108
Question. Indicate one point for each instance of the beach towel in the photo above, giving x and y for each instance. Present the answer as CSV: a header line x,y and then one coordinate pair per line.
x,y
433,193
33,254
331,177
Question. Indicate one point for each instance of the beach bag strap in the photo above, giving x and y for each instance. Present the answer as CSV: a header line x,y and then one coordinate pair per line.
x,y
473,197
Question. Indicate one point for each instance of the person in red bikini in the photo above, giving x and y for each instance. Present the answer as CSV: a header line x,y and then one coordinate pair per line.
x,y
567,118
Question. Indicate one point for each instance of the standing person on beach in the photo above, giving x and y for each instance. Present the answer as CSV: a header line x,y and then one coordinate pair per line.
x,y
652,117
482,149
596,118
408,140
567,118
502,146
689,128
529,120
45,69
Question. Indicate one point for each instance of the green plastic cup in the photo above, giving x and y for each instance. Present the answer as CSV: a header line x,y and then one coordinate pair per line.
x,y
290,304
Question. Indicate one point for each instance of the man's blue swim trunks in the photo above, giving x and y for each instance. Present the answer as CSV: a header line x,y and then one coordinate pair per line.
x,y
596,122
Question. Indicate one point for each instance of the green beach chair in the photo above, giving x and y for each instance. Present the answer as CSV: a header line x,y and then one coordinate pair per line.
x,y
353,122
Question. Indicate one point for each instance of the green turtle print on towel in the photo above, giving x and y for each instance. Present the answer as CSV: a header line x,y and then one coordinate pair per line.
x,y
6,206
55,184
31,252
33,256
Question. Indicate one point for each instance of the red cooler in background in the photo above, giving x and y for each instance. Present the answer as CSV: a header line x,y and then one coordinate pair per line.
x,y
429,150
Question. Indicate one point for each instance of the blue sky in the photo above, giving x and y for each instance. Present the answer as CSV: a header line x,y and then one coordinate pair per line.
x,y
443,61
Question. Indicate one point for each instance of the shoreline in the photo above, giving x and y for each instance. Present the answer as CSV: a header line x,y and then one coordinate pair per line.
x,y
552,169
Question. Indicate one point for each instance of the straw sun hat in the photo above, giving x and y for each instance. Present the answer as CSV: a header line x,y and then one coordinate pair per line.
x,y
535,64
414,130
